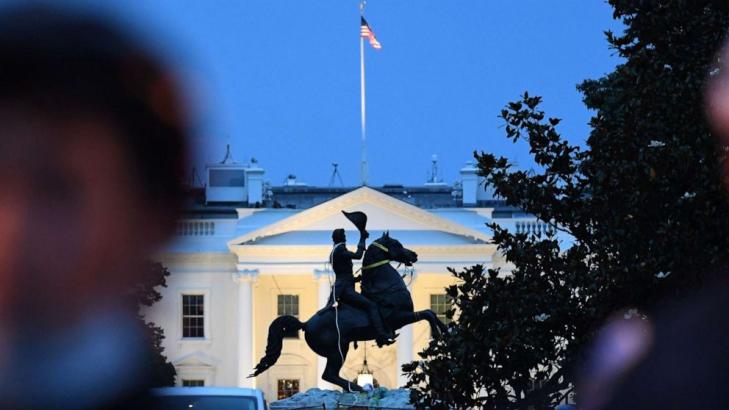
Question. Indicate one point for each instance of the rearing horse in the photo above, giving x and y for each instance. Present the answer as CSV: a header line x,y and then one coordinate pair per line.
x,y
382,284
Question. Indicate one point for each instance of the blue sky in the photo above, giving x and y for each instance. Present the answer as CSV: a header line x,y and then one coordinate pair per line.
x,y
279,79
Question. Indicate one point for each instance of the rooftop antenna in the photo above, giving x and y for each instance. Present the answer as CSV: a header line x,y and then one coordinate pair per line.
x,y
433,178
335,175
228,156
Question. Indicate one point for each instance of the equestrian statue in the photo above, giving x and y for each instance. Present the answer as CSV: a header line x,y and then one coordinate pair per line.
x,y
385,304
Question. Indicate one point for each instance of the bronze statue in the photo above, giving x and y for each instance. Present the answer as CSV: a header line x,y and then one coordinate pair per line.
x,y
343,289
330,331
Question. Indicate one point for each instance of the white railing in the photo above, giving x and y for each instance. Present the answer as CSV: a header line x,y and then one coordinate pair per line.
x,y
195,228
533,227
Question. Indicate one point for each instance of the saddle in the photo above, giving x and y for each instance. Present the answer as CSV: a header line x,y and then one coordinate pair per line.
x,y
330,306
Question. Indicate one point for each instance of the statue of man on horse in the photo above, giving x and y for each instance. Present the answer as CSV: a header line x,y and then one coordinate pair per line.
x,y
343,288
385,305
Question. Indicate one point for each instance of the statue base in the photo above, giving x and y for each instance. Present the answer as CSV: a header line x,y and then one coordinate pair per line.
x,y
331,399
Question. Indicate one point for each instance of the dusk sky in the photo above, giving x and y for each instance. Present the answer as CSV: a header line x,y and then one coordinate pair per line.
x,y
279,80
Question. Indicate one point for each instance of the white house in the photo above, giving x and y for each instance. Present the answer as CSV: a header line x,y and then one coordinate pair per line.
x,y
234,269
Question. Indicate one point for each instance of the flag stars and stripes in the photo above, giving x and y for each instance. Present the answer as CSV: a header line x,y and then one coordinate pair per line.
x,y
366,32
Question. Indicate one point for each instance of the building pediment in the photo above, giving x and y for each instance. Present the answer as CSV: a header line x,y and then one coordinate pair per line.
x,y
384,213
195,359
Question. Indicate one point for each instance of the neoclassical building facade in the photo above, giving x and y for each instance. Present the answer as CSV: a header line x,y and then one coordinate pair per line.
x,y
235,266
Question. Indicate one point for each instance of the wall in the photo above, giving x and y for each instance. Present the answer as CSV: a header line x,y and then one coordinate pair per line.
x,y
297,360
208,274
425,285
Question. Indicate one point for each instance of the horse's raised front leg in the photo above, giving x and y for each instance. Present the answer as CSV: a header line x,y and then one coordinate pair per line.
x,y
331,371
436,326
401,319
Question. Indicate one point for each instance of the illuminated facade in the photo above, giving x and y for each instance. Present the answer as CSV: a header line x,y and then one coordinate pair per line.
x,y
235,268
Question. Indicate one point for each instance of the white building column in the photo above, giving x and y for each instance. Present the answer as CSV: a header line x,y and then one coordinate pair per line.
x,y
246,336
322,279
405,344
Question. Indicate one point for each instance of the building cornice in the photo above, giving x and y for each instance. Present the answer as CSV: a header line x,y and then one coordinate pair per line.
x,y
320,253
349,201
193,261
244,275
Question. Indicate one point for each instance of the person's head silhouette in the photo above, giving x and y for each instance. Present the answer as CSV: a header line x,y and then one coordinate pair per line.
x,y
93,148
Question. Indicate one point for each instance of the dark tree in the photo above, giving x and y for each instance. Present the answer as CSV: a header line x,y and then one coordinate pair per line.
x,y
643,201
145,294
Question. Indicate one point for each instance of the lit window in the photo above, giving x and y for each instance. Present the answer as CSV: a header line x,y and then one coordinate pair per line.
x,y
287,388
193,316
289,305
193,383
440,304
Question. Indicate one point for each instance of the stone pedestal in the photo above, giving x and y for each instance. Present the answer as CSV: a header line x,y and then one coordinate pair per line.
x,y
380,397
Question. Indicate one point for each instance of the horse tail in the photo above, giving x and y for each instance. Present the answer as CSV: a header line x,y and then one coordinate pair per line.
x,y
276,332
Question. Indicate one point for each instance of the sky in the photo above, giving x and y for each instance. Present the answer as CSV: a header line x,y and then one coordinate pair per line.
x,y
279,80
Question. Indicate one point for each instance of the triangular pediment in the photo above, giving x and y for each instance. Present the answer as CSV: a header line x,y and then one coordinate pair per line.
x,y
383,212
195,359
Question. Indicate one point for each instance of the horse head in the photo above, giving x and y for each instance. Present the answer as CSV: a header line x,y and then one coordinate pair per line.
x,y
395,251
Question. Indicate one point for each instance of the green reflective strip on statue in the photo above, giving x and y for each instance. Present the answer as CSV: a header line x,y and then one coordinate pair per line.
x,y
380,246
376,264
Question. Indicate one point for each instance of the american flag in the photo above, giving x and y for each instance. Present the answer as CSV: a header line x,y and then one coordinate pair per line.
x,y
366,32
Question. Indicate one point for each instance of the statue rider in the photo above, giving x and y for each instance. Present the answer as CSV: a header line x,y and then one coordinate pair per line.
x,y
341,260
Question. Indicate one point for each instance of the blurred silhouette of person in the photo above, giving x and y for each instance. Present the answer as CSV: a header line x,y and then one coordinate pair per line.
x,y
93,147
680,359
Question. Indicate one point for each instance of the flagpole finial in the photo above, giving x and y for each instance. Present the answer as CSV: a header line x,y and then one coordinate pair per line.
x,y
362,5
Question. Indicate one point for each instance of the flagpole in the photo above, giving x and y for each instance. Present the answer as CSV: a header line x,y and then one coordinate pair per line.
x,y
363,160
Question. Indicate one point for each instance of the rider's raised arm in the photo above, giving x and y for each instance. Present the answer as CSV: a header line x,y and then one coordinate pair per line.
x,y
359,252
360,249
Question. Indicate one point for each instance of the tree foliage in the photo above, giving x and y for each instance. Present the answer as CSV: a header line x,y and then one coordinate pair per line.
x,y
143,295
643,202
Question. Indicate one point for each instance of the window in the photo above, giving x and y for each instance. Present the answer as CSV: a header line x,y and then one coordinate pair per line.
x,y
289,305
287,388
193,383
440,304
193,316
227,178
